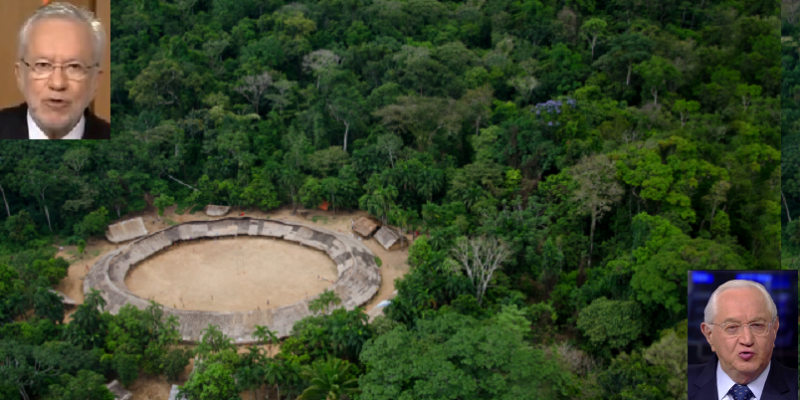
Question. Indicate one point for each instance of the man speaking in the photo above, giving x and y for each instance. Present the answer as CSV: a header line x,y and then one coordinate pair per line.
x,y
741,324
58,71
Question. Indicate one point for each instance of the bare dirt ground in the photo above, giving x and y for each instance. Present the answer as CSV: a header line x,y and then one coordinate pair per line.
x,y
232,274
157,388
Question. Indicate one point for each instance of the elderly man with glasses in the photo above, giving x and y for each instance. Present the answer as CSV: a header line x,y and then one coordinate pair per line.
x,y
741,324
58,72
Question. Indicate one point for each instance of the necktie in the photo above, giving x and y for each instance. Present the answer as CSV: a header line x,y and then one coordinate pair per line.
x,y
740,392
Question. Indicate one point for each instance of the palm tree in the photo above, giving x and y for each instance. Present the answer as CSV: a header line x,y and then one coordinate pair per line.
x,y
329,380
265,335
274,374
249,379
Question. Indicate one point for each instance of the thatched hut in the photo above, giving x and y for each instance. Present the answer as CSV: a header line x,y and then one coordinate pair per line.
x,y
388,238
126,230
366,226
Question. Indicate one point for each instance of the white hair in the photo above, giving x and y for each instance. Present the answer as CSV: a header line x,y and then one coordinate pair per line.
x,y
711,307
65,11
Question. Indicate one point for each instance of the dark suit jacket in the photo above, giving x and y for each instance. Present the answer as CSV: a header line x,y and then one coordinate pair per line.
x,y
781,382
14,124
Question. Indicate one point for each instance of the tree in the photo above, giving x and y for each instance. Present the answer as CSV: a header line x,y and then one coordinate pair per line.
x,y
626,50
748,93
320,62
657,72
480,257
159,84
378,200
329,380
610,325
48,304
346,106
213,341
525,86
477,104
20,228
282,98
94,223
163,202
249,378
423,117
35,180
593,29
211,382
597,190
254,87
685,109
87,328
451,359
716,196
87,385
324,302
76,158
127,367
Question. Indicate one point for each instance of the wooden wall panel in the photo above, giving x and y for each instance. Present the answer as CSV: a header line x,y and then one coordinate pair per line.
x,y
102,100
12,15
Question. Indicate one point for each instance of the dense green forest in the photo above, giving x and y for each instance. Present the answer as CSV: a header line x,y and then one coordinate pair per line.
x,y
566,162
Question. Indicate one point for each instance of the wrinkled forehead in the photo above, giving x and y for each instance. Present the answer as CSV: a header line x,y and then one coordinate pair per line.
x,y
60,40
742,304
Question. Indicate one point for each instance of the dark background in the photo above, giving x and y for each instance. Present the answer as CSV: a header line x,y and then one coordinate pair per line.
x,y
782,286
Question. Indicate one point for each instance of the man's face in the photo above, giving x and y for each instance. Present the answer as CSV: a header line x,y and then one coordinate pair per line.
x,y
746,356
57,103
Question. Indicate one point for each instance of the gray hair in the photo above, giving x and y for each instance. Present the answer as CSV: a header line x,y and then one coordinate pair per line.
x,y
65,11
711,307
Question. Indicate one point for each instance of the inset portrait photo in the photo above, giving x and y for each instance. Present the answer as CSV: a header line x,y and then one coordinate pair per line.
x,y
54,69
742,339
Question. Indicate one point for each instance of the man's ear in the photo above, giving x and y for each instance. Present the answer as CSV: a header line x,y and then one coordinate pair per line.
x,y
97,82
20,78
706,329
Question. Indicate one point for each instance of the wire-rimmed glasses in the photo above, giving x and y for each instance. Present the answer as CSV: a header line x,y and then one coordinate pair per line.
x,y
74,71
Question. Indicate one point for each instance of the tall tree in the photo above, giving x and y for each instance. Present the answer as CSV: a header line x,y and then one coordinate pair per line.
x,y
480,258
254,87
597,190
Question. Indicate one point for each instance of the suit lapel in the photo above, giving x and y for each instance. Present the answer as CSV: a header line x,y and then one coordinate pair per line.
x,y
705,386
20,128
775,387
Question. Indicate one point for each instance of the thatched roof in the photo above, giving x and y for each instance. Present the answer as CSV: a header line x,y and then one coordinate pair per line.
x,y
65,299
366,226
386,237
217,211
119,392
126,230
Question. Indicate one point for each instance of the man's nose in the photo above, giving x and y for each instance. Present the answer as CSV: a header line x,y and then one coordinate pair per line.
x,y
746,337
57,80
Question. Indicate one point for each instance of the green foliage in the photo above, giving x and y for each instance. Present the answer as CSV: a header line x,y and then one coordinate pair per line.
x,y
20,228
611,325
213,381
87,329
330,379
340,334
451,358
163,202
86,385
93,224
127,367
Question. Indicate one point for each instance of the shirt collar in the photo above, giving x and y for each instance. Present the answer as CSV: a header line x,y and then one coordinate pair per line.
x,y
724,382
34,132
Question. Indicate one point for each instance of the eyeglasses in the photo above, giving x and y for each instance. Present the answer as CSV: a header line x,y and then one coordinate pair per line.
x,y
74,71
735,329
